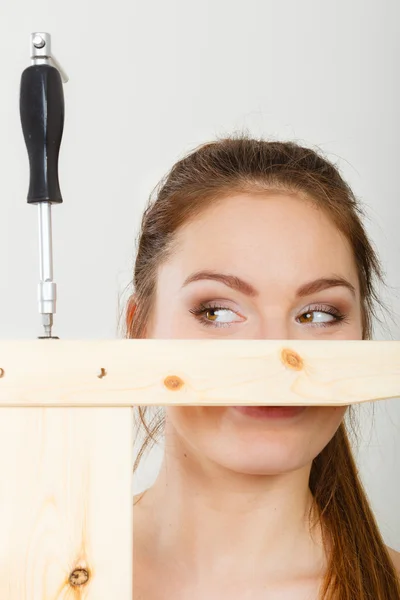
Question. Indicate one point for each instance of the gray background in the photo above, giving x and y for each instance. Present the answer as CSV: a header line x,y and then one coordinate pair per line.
x,y
149,81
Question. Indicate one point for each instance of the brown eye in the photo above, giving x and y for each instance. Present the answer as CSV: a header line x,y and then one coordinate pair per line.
x,y
213,316
322,316
208,315
308,317
218,312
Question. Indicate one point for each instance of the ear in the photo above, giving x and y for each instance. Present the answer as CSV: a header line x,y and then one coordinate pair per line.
x,y
130,311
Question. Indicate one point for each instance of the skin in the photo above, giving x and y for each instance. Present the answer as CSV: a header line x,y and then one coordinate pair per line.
x,y
227,514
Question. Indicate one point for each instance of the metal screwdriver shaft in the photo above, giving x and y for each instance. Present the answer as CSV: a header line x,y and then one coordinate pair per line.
x,y
42,120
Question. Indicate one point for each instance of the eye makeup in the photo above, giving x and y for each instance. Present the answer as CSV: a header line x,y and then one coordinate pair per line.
x,y
202,309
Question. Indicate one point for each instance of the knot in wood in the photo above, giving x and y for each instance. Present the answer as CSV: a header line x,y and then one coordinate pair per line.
x,y
173,382
79,576
291,359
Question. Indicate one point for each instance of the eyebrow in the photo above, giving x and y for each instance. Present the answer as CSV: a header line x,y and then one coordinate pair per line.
x,y
234,282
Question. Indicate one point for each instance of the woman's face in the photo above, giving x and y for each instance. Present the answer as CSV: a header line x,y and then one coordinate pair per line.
x,y
277,245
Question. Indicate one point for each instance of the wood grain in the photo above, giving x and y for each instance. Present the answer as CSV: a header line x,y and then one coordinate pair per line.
x,y
197,372
66,435
66,503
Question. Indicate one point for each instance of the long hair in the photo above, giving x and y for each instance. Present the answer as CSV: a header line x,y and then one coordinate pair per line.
x,y
359,566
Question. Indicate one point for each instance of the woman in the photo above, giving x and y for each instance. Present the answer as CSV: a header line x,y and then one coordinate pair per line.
x,y
249,239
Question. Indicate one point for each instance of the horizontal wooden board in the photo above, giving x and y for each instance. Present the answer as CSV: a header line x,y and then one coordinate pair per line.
x,y
197,372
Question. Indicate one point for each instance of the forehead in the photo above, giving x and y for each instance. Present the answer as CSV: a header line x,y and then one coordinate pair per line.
x,y
278,238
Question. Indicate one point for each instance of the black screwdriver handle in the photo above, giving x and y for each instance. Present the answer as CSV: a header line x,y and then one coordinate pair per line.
x,y
42,119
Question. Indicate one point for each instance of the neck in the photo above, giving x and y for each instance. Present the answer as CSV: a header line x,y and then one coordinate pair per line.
x,y
215,520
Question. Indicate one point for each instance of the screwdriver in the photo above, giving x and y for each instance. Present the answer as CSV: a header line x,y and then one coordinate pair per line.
x,y
42,120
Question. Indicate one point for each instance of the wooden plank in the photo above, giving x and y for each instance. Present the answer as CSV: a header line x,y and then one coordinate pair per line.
x,y
66,503
197,372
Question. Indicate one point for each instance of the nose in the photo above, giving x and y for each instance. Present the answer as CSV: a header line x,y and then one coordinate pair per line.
x,y
275,323
274,333
274,329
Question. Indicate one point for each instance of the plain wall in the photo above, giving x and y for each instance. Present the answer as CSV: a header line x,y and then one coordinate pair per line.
x,y
151,80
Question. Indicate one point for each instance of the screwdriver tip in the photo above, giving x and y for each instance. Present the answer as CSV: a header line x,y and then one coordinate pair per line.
x,y
47,320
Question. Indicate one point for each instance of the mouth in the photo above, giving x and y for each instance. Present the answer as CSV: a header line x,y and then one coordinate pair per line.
x,y
270,412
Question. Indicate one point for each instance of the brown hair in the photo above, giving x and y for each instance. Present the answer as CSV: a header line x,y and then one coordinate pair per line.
x,y
359,565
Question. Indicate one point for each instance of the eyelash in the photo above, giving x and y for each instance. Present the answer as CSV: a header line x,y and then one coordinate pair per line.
x,y
199,310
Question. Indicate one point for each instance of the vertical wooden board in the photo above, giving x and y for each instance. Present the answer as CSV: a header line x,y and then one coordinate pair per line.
x,y
66,503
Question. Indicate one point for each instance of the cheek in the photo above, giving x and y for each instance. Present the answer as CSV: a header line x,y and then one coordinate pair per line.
x,y
194,421
326,420
199,430
190,421
319,428
211,433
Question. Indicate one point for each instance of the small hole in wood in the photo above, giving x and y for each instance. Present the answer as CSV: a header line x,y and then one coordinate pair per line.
x,y
79,577
1,372
102,373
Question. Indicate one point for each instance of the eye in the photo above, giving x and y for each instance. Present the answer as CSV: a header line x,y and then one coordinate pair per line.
x,y
321,313
308,317
316,316
208,315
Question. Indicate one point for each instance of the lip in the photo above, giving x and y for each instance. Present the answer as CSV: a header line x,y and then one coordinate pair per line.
x,y
270,412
